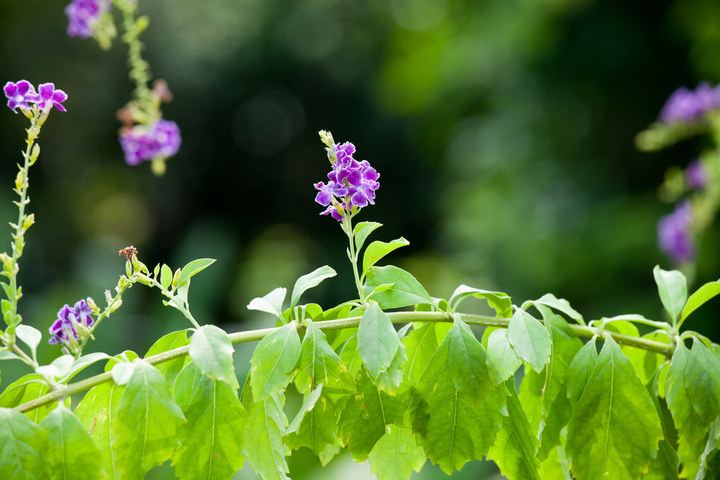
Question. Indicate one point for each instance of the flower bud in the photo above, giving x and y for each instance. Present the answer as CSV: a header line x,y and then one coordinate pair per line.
x,y
176,278
116,304
93,306
19,180
128,269
29,221
35,153
136,263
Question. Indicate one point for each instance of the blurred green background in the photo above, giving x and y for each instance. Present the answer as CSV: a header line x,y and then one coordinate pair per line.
x,y
502,129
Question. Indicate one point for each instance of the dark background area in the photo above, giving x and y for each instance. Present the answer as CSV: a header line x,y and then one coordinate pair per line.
x,y
503,132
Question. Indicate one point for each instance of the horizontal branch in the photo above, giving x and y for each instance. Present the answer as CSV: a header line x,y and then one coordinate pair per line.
x,y
62,391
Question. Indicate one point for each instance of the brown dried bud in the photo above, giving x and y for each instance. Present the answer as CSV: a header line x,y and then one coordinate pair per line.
x,y
128,252
161,91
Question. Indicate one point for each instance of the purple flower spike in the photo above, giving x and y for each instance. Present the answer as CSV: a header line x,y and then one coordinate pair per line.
x,y
695,175
674,234
50,97
687,106
83,16
64,329
143,142
19,94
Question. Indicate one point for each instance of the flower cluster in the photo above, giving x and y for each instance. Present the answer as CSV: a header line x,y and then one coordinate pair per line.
x,y
84,16
160,139
22,95
352,184
695,175
70,323
674,233
688,105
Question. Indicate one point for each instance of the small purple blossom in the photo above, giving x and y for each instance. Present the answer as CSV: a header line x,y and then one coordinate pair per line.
x,y
19,94
83,16
674,234
49,97
64,330
695,175
689,105
145,142
352,184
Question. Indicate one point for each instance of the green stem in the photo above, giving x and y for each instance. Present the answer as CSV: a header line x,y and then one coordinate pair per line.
x,y
396,317
139,69
353,255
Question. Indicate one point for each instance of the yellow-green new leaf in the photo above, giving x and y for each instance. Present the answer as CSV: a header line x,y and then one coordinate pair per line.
x,y
396,455
71,453
315,425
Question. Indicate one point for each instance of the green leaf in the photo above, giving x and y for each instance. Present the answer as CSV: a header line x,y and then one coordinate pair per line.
x,y
558,304
24,389
309,281
363,419
83,362
264,432
396,455
30,336
318,363
702,380
516,445
211,442
665,466
166,276
389,380
72,454
145,427
580,370
697,299
315,425
646,363
672,288
502,362
212,352
97,411
529,339
420,345
273,362
23,446
58,368
455,410
614,430
170,341
361,232
499,301
270,303
378,342
193,268
406,289
377,250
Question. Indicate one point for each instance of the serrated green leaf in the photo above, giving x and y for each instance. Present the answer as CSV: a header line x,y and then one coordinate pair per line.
x,y
23,445
529,339
378,342
499,301
193,268
270,303
187,385
396,454
264,432
699,298
420,345
145,427
212,352
170,341
318,363
71,452
406,289
361,232
273,362
390,379
166,276
377,250
315,425
502,362
580,370
97,411
30,336
456,411
309,281
363,420
516,446
672,288
646,363
601,441
211,442
24,389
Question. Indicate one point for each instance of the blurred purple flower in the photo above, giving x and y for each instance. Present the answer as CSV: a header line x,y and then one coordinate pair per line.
x,y
64,329
674,234
50,97
83,15
145,142
19,94
695,175
352,183
686,106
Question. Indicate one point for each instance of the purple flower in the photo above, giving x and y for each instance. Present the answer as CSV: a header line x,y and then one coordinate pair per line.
x,y
64,329
19,94
50,97
695,175
674,234
83,16
686,106
352,184
145,142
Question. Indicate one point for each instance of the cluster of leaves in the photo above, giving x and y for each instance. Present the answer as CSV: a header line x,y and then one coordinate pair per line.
x,y
528,394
